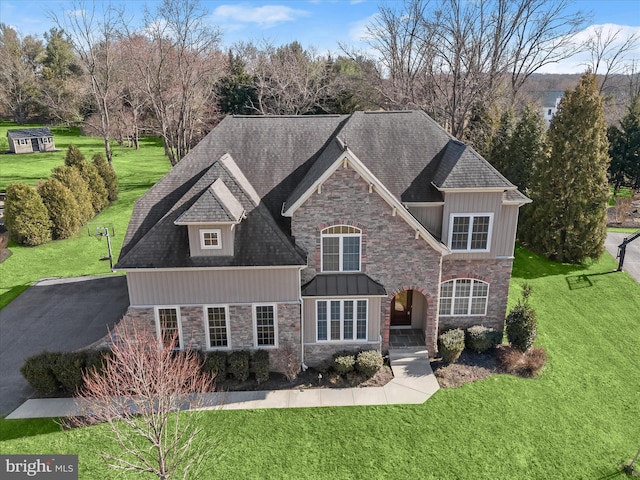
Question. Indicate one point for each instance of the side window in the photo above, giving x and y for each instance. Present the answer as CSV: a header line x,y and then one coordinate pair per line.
x,y
470,232
217,326
265,325
168,325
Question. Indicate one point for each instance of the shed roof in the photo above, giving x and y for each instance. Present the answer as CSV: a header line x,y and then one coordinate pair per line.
x,y
343,284
29,133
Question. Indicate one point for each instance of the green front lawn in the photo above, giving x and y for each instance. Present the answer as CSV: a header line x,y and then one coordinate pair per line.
x,y
137,172
579,420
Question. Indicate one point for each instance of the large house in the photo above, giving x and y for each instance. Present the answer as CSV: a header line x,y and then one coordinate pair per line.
x,y
323,233
29,140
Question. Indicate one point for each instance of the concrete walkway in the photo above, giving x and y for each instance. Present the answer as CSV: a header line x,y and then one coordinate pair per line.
x,y
632,257
413,383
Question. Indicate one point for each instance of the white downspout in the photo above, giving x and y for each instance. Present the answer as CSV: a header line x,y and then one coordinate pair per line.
x,y
302,364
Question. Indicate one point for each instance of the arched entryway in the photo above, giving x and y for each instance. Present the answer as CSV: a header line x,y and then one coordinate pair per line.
x,y
408,319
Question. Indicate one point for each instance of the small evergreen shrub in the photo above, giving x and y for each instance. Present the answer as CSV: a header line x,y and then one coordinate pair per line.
x,y
37,370
524,364
62,207
260,361
99,194
369,362
521,323
239,364
216,364
451,344
25,215
344,363
480,338
68,368
108,174
287,361
73,180
74,157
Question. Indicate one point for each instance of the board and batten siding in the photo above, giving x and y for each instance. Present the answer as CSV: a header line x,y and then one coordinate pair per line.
x,y
430,217
204,287
505,220
373,333
226,232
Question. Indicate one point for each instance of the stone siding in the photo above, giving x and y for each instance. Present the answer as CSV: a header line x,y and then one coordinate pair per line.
x,y
320,355
497,273
391,254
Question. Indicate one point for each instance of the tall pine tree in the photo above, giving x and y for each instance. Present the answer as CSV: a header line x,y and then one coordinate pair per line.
x,y
567,219
527,144
625,149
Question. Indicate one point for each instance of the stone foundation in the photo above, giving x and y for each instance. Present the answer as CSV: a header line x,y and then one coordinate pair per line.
x,y
321,355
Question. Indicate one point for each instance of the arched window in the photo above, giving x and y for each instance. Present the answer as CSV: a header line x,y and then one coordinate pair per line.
x,y
464,297
340,248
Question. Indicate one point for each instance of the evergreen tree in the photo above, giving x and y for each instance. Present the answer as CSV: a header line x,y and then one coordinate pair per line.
x,y
25,215
99,195
62,207
481,128
237,91
500,155
624,149
71,178
569,189
74,157
527,144
108,174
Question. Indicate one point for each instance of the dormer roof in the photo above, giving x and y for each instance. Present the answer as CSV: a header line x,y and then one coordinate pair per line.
x,y
215,205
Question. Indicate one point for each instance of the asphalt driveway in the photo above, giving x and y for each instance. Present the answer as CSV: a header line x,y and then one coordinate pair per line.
x,y
54,315
632,257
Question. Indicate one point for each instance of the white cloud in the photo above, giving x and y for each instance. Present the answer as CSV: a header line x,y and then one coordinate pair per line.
x,y
358,29
266,16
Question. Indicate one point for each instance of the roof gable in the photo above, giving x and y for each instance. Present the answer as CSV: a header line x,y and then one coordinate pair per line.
x,y
216,205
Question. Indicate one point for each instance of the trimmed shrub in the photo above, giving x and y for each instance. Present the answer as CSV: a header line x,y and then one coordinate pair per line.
x,y
99,195
524,364
239,364
369,362
108,174
451,344
215,363
287,361
62,207
37,370
68,368
26,216
260,361
73,180
480,338
344,363
521,323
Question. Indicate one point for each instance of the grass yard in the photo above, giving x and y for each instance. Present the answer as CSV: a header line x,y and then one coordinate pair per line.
x,y
137,172
579,420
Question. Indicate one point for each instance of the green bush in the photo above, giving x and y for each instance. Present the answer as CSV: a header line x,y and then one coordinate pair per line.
x,y
62,207
260,361
344,363
99,195
37,370
108,174
74,157
451,345
216,364
68,368
480,338
239,364
521,323
369,362
73,180
26,216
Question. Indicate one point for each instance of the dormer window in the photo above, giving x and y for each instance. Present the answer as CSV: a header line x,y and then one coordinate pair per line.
x,y
210,239
340,246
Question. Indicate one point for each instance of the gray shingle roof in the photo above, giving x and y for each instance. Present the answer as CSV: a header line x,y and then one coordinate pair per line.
x,y
216,205
342,284
29,133
267,160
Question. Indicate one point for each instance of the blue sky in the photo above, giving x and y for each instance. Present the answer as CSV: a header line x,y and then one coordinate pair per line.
x,y
321,24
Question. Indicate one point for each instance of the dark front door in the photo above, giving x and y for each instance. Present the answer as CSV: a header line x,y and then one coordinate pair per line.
x,y
401,309
34,145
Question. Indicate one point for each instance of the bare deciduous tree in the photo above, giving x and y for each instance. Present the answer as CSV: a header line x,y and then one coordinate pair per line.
x,y
608,52
140,392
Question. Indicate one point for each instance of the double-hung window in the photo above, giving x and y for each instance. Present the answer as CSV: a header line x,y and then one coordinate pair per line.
x,y
470,232
265,325
168,326
341,246
217,326
344,320
464,297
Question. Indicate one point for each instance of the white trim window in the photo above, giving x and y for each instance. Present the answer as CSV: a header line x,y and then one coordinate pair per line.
x,y
470,232
210,238
341,248
342,320
216,326
265,325
464,297
168,324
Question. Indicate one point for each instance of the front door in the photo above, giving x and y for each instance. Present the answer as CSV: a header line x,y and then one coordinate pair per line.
x,y
34,145
401,309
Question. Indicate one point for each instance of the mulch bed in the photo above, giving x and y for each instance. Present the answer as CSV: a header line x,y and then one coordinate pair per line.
x,y
470,367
